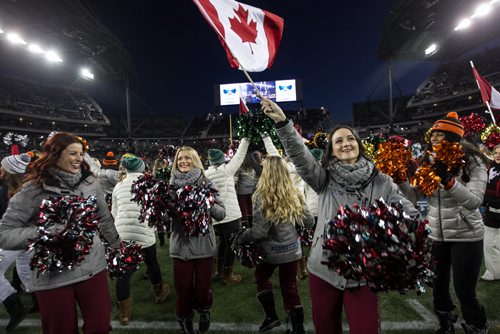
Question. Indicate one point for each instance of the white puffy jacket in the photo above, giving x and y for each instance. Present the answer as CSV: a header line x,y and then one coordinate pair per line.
x,y
223,177
127,214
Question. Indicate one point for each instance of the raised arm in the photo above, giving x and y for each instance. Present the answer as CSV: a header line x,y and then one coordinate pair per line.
x,y
237,160
308,168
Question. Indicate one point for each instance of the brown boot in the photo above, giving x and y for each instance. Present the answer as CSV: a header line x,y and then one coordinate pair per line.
x,y
124,311
219,268
229,278
302,269
161,291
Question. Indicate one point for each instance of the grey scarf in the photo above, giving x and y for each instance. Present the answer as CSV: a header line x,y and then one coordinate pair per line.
x,y
63,178
180,179
350,176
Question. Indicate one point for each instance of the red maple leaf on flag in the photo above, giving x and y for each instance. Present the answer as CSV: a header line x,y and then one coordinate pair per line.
x,y
246,30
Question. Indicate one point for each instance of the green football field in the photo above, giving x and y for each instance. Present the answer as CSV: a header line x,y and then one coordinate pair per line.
x,y
236,309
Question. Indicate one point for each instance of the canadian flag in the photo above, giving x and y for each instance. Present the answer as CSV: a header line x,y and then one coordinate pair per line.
x,y
243,106
250,35
488,92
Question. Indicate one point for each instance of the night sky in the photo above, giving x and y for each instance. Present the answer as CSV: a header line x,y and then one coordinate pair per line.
x,y
330,45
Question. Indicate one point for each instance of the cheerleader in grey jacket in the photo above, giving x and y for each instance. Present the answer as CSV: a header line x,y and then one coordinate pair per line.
x,y
278,207
193,255
59,172
344,177
457,230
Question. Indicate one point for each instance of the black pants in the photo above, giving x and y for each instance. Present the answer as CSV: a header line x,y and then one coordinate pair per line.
x,y
464,260
154,273
224,231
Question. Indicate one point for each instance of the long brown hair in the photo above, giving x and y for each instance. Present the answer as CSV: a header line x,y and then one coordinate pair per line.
x,y
52,150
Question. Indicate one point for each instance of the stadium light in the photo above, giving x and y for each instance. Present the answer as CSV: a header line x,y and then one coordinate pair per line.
x,y
53,57
432,49
463,24
1,31
86,74
482,10
15,39
35,48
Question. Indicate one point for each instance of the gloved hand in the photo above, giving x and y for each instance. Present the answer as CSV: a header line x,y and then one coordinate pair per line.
x,y
442,171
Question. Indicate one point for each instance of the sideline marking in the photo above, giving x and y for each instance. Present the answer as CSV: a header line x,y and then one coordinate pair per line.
x,y
428,322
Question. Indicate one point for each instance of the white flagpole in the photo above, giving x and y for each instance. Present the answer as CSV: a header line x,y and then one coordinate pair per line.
x,y
230,130
486,102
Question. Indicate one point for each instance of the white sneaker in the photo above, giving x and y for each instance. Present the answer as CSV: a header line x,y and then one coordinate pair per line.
x,y
487,276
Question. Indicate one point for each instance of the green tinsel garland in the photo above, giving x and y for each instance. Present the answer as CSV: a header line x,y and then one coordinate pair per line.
x,y
250,125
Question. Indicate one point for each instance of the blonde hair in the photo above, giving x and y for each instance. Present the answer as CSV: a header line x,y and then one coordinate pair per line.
x,y
192,154
280,199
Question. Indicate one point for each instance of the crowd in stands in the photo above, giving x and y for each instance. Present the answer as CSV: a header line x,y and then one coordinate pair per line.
x,y
455,78
32,98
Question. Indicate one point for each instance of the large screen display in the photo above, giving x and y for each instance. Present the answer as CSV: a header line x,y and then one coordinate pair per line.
x,y
278,91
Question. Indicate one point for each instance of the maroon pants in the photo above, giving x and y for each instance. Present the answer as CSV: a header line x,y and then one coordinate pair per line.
x,y
245,202
361,307
58,307
193,285
288,282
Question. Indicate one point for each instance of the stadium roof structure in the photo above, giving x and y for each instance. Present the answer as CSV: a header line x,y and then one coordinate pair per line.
x,y
70,24
412,26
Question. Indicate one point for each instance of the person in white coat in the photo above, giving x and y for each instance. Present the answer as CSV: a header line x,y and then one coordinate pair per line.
x,y
222,175
127,221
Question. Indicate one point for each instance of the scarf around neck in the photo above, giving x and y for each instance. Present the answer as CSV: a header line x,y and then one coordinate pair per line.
x,y
180,179
66,179
350,176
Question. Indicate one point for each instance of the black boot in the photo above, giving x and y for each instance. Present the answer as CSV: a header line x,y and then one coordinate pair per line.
x,y
470,329
447,320
204,323
186,325
266,298
16,310
296,317
480,323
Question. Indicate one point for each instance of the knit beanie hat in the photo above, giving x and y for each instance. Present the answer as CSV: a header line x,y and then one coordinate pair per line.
x,y
133,165
317,153
450,126
215,157
109,160
16,164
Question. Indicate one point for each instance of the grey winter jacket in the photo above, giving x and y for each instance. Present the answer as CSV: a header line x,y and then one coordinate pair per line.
x,y
280,242
454,214
332,196
17,228
195,247
108,178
